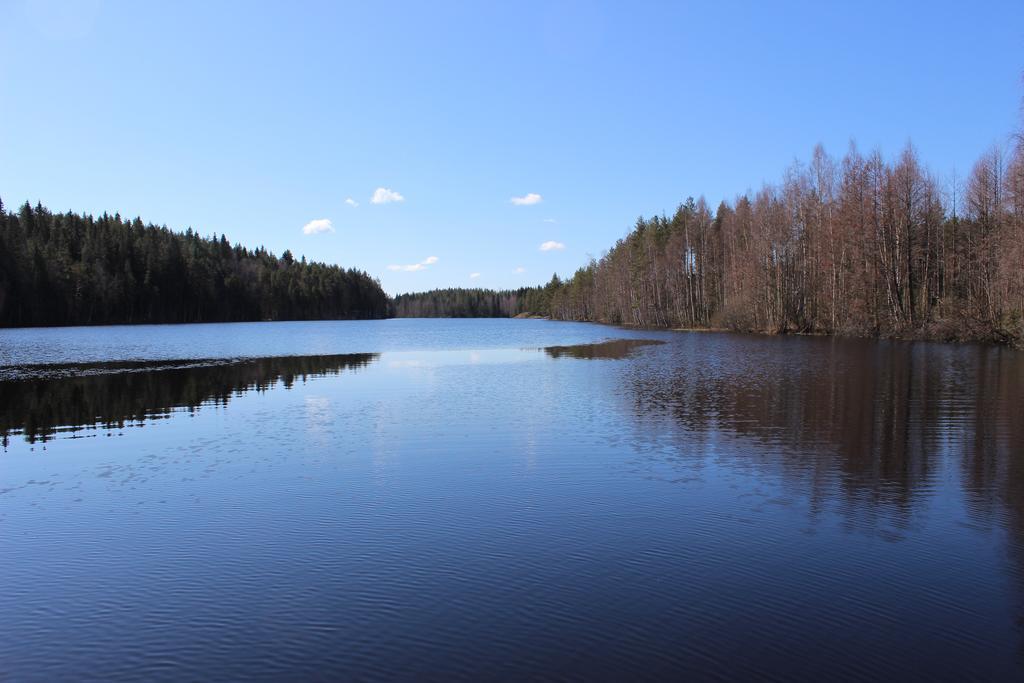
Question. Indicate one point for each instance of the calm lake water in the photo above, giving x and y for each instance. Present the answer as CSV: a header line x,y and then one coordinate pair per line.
x,y
488,499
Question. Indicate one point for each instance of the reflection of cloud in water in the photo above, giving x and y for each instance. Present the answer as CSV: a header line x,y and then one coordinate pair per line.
x,y
406,363
318,415
437,359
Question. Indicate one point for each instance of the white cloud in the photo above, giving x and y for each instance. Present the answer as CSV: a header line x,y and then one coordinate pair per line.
x,y
351,202
550,220
519,269
527,200
473,276
413,267
318,226
551,245
383,195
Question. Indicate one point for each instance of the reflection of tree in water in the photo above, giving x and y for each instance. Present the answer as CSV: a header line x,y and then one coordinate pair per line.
x,y
613,349
878,415
873,428
992,452
111,396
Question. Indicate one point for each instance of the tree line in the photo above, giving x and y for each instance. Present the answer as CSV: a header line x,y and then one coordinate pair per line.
x,y
857,246
71,269
458,302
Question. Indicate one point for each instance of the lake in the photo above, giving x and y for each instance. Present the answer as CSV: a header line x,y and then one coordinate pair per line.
x,y
485,499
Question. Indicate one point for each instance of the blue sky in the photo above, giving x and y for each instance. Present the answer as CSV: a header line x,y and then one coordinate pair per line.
x,y
256,120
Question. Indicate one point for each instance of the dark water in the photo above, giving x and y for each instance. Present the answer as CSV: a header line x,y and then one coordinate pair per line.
x,y
507,499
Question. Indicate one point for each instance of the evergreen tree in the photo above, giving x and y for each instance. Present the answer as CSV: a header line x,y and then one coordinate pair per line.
x,y
70,269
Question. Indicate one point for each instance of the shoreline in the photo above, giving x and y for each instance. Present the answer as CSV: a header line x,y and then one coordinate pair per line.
x,y
922,337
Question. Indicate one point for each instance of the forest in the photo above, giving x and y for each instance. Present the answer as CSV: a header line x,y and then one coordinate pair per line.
x,y
70,269
856,246
460,302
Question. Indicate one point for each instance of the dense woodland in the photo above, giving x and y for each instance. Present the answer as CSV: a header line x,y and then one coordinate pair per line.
x,y
858,246
476,303
68,269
